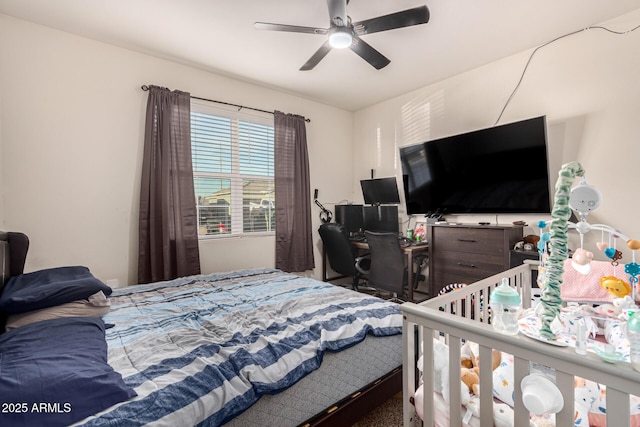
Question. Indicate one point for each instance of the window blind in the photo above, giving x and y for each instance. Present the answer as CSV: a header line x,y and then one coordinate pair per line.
x,y
233,167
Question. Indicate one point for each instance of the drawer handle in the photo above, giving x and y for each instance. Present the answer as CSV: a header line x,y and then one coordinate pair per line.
x,y
462,264
468,240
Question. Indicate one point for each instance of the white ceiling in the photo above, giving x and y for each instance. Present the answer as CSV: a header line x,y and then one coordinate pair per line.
x,y
218,35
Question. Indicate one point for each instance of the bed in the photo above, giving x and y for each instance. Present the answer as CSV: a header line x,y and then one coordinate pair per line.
x,y
253,347
460,316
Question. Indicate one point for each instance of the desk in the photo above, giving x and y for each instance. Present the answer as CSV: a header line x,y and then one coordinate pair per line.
x,y
409,251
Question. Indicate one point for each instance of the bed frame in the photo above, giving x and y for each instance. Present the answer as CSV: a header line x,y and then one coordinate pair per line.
x,y
454,318
361,403
13,251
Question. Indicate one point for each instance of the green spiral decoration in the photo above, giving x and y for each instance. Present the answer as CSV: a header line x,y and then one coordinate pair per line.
x,y
551,300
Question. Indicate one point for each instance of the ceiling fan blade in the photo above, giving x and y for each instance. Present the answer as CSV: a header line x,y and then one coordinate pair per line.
x,y
289,28
316,57
338,12
406,18
369,54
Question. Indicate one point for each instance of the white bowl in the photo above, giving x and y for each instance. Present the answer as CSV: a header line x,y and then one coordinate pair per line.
x,y
540,395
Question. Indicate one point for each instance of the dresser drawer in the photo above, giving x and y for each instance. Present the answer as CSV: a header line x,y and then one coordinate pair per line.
x,y
468,265
468,240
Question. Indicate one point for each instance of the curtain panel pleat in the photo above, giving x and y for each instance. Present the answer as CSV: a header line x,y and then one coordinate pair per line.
x,y
294,240
168,221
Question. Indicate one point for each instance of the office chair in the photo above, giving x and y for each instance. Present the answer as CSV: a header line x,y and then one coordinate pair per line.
x,y
388,271
343,257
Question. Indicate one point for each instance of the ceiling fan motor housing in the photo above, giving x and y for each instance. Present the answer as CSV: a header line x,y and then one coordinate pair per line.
x,y
340,37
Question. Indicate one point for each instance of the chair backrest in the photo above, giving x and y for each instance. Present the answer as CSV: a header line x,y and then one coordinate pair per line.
x,y
340,251
19,246
387,269
4,259
13,254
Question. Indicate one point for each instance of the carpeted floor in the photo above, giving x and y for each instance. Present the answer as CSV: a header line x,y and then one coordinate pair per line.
x,y
389,414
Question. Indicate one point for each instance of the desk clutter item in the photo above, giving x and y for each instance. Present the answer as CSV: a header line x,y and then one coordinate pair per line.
x,y
420,233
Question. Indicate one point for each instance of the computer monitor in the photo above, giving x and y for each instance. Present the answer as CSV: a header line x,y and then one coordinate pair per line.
x,y
381,218
351,217
380,191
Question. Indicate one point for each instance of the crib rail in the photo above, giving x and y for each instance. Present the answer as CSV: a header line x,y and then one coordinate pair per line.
x,y
461,316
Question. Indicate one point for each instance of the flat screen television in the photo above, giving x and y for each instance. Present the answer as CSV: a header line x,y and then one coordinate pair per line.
x,y
380,191
502,169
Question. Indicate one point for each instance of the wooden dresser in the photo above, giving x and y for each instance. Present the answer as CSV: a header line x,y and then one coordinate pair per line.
x,y
466,253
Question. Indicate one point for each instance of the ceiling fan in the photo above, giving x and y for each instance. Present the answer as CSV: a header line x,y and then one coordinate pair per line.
x,y
343,33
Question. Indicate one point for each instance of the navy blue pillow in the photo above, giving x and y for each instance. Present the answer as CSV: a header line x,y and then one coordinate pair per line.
x,y
55,373
48,288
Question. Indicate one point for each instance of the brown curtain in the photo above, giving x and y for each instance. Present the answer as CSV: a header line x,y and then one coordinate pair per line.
x,y
168,234
294,241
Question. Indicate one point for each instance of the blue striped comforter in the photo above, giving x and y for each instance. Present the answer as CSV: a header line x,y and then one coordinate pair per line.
x,y
200,350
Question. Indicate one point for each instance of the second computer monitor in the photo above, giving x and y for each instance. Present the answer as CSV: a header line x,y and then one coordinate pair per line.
x,y
381,218
351,217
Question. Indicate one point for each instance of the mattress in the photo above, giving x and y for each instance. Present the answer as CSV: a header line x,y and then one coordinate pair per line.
x,y
341,374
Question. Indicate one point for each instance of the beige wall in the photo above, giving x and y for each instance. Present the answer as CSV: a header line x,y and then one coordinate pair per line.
x,y
71,131
72,113
588,87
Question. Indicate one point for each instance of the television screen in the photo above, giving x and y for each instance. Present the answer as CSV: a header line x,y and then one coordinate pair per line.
x,y
380,191
502,169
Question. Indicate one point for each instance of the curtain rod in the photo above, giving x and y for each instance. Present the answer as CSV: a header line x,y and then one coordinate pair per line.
x,y
146,88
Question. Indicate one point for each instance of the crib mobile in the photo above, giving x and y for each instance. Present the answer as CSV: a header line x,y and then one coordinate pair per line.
x,y
552,246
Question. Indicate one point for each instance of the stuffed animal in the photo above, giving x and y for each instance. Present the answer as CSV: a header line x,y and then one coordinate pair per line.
x,y
470,374
440,377
471,379
615,286
470,367
441,372
532,238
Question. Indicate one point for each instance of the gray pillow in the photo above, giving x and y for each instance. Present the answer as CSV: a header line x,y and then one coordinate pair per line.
x,y
97,305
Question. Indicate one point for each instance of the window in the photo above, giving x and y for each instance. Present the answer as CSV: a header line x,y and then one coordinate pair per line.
x,y
232,155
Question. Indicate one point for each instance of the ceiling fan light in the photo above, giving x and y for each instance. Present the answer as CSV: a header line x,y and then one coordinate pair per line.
x,y
340,38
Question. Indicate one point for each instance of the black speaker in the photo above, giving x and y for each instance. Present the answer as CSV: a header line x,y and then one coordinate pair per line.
x,y
351,217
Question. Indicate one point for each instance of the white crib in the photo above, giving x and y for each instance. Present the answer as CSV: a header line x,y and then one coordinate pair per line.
x,y
463,320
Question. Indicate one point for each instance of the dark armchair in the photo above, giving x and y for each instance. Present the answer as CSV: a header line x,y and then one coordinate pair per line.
x,y
343,257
